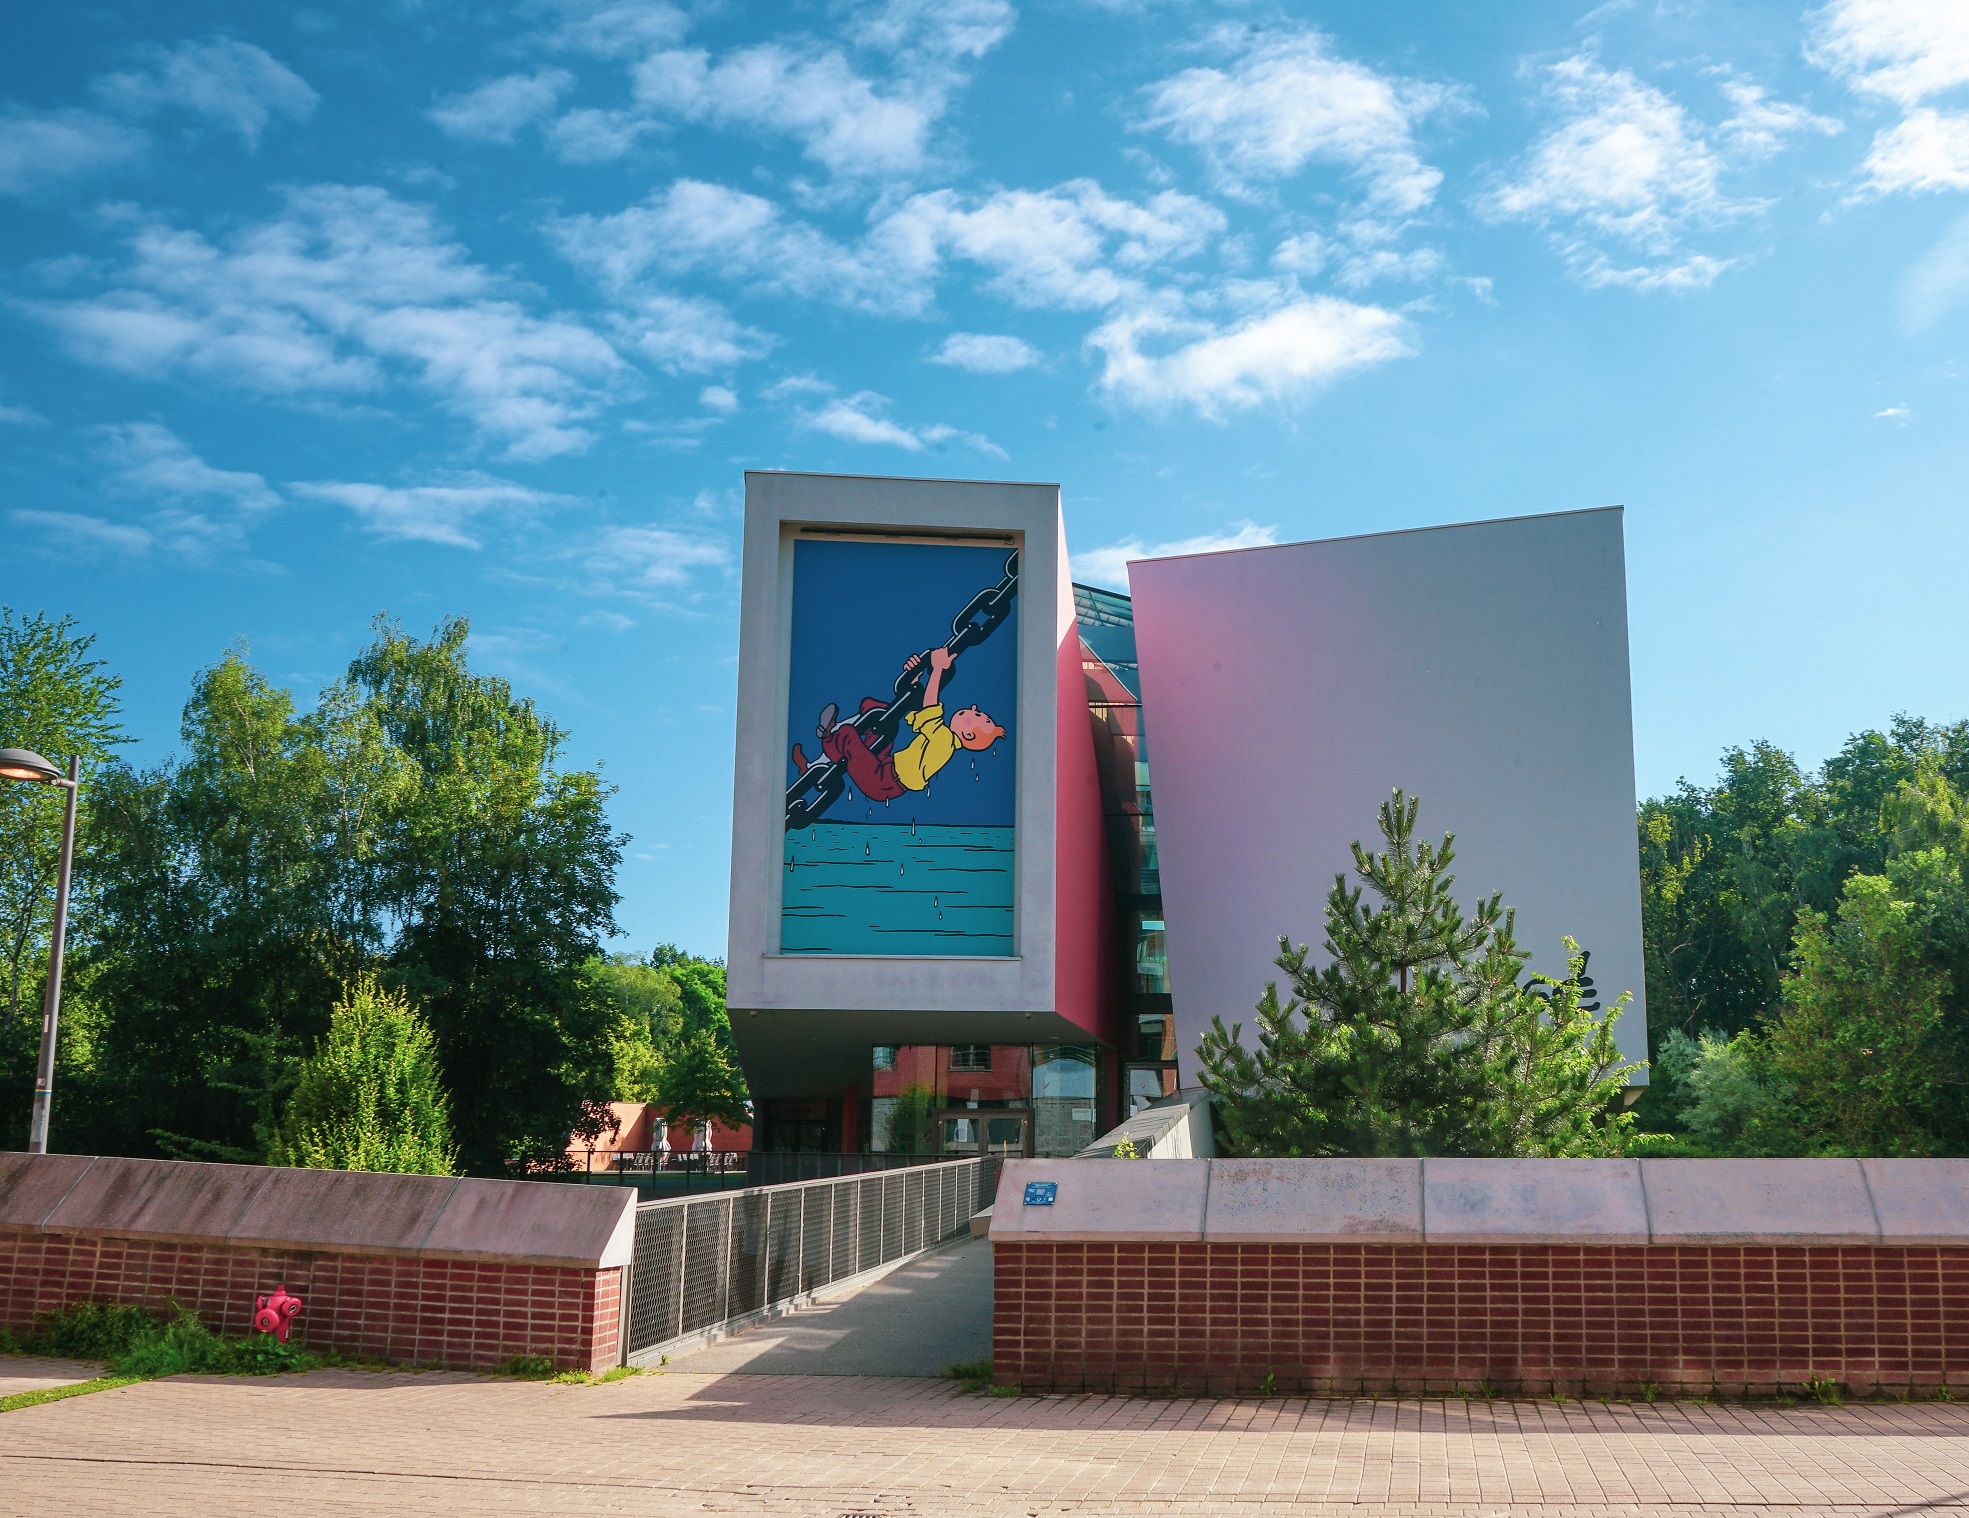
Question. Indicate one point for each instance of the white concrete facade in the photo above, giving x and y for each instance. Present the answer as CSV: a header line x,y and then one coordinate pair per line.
x,y
1288,690
846,990
1791,1203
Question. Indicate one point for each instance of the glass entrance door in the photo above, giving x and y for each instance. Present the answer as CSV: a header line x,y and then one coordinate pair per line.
x,y
1003,1131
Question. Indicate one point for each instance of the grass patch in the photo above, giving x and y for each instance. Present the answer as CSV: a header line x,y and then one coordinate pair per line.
x,y
57,1393
588,1378
975,1375
528,1368
140,1345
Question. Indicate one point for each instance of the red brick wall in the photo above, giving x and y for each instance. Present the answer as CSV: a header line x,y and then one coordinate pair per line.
x,y
1447,1317
416,1312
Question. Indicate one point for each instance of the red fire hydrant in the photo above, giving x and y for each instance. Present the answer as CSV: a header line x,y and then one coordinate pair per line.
x,y
275,1314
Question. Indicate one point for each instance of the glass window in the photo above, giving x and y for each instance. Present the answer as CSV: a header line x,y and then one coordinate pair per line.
x,y
885,1056
1155,1037
1151,952
970,1056
1147,1087
1066,1106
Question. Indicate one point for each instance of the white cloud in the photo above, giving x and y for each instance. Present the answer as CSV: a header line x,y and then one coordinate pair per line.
x,y
428,513
193,512
697,227
617,28
225,80
1359,270
718,398
1900,50
1927,150
1939,280
151,461
986,353
38,149
1287,100
1306,253
1073,247
496,110
651,562
933,31
80,534
595,136
1893,414
1109,566
1629,166
851,121
687,334
22,416
861,418
346,292
841,120
1760,125
1278,355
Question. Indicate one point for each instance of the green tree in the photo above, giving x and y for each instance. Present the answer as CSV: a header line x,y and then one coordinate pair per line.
x,y
697,1080
1416,1037
1726,870
416,820
648,1018
499,873
908,1127
1855,1044
370,1098
1861,1042
58,701
224,906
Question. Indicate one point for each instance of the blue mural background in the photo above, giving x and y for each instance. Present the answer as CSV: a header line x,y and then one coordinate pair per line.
x,y
930,872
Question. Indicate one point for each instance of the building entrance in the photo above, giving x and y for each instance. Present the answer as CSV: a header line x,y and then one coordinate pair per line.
x,y
1003,1131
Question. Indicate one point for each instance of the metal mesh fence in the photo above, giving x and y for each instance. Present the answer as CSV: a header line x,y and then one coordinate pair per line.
x,y
701,1263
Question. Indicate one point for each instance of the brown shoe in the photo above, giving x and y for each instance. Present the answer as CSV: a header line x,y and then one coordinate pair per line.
x,y
800,760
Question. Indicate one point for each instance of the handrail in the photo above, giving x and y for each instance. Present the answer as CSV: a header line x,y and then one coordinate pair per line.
x,y
706,1263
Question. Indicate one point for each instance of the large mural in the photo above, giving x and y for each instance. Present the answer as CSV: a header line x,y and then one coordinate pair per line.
x,y
901,769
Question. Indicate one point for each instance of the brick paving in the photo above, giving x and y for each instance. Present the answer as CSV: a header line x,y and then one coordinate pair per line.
x,y
26,1373
355,1442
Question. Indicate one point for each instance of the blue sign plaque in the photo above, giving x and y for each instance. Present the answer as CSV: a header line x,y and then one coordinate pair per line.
x,y
1041,1193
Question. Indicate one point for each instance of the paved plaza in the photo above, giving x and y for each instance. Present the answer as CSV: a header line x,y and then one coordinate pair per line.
x,y
682,1442
787,1419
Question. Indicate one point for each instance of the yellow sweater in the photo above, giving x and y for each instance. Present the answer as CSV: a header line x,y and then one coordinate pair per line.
x,y
929,751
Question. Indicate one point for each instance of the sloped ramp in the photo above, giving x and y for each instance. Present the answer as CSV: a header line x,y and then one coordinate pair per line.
x,y
927,1314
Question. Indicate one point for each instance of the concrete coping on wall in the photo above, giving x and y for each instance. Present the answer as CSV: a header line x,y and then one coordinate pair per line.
x,y
334,1211
1454,1201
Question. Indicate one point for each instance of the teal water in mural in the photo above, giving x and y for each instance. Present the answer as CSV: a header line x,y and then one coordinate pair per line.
x,y
863,888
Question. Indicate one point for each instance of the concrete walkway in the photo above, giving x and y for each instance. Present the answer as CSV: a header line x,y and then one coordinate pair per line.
x,y
27,1373
917,1320
350,1442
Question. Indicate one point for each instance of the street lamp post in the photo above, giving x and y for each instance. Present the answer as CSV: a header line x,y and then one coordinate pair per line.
x,y
24,764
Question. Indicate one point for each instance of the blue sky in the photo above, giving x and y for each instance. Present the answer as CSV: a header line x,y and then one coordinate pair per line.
x,y
314,312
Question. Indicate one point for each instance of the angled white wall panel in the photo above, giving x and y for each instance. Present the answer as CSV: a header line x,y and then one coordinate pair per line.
x,y
1288,690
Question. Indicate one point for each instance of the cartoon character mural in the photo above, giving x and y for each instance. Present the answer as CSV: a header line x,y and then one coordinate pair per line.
x,y
900,818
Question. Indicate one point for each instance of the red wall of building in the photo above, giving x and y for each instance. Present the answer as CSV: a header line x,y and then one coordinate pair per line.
x,y
1350,1318
1086,933
457,1313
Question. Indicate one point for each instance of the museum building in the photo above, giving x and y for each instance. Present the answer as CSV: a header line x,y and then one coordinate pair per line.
x,y
959,919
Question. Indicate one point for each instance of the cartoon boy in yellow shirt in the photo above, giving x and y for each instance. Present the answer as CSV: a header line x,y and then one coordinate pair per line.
x,y
886,775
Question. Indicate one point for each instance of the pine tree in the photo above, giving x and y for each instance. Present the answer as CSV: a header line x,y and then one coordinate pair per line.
x,y
370,1098
1416,1037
